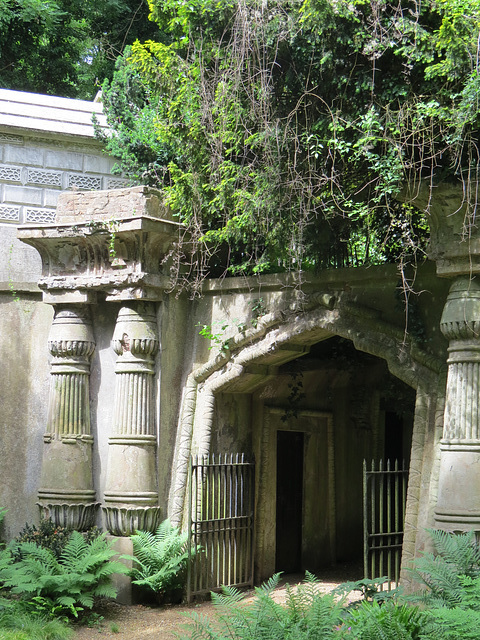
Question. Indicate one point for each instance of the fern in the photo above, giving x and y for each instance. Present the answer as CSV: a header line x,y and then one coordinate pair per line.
x,y
161,559
389,621
307,615
457,558
452,624
81,573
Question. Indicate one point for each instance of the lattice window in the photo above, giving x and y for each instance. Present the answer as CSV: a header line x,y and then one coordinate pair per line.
x,y
118,183
12,214
86,183
10,174
7,137
50,178
40,216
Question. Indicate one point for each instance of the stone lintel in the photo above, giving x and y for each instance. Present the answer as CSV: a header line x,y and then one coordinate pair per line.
x,y
69,296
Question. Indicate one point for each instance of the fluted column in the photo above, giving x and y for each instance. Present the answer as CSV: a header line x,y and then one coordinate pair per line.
x,y
458,506
66,494
131,494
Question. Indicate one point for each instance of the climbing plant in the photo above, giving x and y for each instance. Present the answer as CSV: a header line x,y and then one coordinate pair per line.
x,y
284,134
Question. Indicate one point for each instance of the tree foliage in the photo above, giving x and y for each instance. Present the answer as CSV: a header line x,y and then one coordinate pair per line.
x,y
66,47
283,133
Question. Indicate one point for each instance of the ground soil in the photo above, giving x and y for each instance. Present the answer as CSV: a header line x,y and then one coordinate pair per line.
x,y
139,622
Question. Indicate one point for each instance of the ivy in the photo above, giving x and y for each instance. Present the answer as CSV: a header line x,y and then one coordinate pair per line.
x,y
283,134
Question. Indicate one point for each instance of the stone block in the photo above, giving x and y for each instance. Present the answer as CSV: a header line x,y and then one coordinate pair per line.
x,y
50,198
64,160
21,263
123,583
112,205
23,195
24,155
97,164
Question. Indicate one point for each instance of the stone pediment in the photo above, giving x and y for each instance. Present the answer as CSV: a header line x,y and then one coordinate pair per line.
x,y
115,242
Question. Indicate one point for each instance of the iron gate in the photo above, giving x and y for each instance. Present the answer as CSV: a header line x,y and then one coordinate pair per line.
x,y
384,500
220,512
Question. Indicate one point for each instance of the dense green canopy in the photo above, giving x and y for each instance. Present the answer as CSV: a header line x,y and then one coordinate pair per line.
x,y
66,47
284,132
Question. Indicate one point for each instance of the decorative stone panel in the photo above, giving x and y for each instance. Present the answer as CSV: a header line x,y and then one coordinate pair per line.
x,y
10,174
10,138
39,216
117,183
9,214
87,183
48,178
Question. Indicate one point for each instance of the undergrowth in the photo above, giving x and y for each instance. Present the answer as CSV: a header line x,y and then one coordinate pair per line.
x,y
161,561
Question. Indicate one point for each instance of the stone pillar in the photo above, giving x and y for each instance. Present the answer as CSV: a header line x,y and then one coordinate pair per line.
x,y
131,494
66,494
458,506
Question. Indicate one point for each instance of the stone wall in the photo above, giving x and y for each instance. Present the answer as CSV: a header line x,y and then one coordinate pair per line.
x,y
47,146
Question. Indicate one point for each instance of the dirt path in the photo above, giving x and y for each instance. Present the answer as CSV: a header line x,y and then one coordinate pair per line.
x,y
140,622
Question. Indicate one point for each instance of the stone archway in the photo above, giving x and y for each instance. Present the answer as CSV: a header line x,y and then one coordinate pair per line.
x,y
255,358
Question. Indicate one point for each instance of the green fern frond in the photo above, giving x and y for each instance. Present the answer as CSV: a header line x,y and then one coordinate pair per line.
x,y
106,590
459,549
75,549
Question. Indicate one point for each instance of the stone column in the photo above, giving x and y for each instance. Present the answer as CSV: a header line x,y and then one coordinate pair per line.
x,y
458,506
66,494
131,494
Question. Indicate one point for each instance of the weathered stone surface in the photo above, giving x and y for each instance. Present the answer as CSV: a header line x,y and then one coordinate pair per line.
x,y
67,453
454,234
80,207
458,506
113,241
131,476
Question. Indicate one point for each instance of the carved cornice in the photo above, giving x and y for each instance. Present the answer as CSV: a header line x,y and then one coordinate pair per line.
x,y
454,234
114,241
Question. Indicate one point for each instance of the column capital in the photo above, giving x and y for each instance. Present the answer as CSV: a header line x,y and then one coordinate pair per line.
x,y
113,242
461,315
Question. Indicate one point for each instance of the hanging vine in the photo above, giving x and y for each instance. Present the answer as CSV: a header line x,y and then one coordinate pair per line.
x,y
283,133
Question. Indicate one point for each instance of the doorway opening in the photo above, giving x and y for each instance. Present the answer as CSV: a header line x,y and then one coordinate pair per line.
x,y
290,463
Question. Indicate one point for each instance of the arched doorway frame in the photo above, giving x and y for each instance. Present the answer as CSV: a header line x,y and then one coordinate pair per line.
x,y
278,339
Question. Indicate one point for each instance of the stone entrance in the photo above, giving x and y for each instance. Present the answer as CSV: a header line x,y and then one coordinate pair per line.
x,y
135,388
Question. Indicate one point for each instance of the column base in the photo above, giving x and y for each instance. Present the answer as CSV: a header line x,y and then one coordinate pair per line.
x,y
127,520
76,516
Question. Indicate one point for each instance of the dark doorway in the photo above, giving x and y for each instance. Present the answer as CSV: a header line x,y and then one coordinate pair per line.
x,y
290,446
394,449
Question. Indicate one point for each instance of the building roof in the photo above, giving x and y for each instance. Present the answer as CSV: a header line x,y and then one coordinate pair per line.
x,y
49,114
